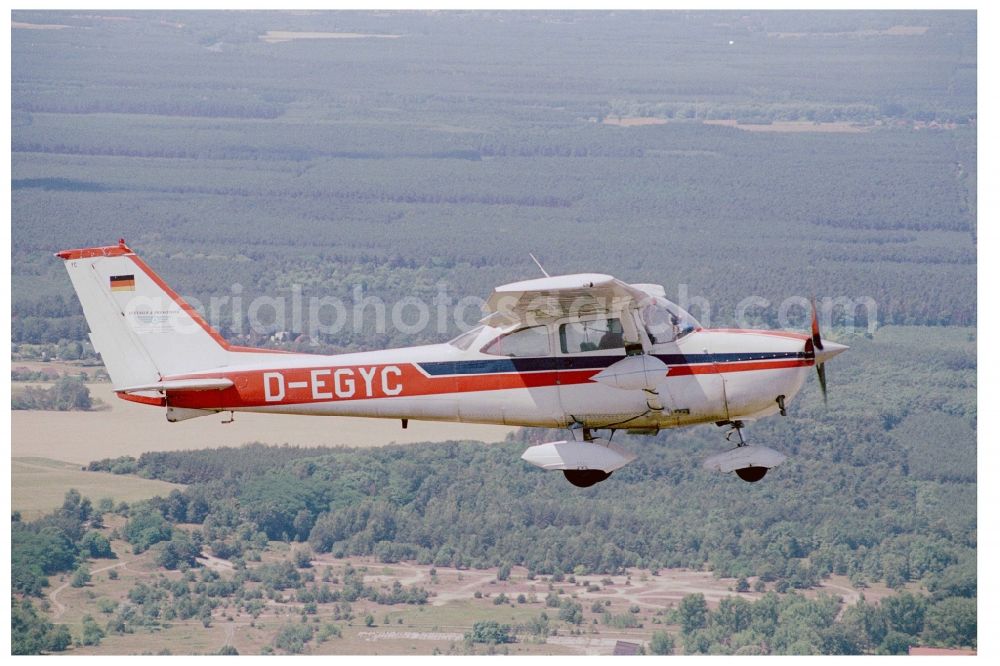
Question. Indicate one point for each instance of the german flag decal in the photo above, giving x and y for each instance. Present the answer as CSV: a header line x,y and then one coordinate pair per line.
x,y
123,283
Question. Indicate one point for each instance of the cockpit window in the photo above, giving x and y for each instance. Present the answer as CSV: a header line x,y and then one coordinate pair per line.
x,y
530,341
586,336
465,340
666,322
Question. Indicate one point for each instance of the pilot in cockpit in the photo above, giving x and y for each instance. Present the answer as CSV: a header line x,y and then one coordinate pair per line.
x,y
666,322
613,338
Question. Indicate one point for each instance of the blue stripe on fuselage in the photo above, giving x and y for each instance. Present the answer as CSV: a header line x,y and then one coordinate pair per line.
x,y
550,363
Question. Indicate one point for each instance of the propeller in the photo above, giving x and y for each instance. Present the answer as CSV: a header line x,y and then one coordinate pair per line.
x,y
817,341
824,352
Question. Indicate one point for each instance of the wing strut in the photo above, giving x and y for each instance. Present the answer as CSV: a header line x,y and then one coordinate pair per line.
x,y
538,263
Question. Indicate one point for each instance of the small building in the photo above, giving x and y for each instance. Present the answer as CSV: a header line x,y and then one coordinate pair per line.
x,y
624,647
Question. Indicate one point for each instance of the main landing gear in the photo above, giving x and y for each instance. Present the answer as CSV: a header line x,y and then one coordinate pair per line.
x,y
584,461
585,478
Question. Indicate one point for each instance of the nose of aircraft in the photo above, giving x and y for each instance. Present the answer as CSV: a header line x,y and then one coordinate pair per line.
x,y
829,350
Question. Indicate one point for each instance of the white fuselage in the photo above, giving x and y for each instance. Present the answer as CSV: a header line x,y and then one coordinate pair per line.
x,y
713,375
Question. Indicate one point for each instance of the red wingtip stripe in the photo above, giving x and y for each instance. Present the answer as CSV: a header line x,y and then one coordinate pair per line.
x,y
119,250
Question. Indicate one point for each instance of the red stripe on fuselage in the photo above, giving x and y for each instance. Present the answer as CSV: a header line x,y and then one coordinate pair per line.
x,y
333,384
751,331
737,366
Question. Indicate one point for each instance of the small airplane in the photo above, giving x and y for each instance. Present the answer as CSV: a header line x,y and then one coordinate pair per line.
x,y
585,352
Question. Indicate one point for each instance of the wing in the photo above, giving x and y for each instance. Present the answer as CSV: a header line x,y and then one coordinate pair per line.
x,y
532,301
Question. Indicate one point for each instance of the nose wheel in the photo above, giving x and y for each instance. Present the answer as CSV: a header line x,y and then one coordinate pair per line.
x,y
750,473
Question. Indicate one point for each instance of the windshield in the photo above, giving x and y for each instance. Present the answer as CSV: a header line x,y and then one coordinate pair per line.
x,y
666,321
465,340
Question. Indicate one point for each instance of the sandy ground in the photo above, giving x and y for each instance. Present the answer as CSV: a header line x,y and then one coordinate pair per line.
x,y
777,126
131,429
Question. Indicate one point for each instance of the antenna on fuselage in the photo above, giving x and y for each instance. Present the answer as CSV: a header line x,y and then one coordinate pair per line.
x,y
538,263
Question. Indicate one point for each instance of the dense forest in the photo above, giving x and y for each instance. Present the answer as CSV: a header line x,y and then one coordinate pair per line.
x,y
69,538
444,155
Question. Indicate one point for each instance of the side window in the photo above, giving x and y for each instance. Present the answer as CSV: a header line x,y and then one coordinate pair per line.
x,y
531,341
588,336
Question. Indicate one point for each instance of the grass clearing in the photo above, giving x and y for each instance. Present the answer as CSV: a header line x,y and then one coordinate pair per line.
x,y
38,485
278,36
892,31
775,126
794,126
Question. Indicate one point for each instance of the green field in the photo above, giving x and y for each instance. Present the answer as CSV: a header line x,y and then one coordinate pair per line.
x,y
39,484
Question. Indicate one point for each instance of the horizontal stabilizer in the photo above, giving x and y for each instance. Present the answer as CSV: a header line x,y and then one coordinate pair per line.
x,y
200,384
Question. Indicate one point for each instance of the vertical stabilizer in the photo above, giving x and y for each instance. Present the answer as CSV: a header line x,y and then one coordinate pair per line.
x,y
143,330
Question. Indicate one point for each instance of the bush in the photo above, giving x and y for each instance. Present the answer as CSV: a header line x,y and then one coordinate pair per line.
x,y
80,577
92,633
661,643
146,526
328,631
107,606
95,544
490,632
31,633
303,559
571,612
178,551
68,394
292,638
